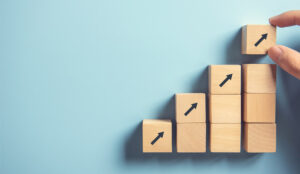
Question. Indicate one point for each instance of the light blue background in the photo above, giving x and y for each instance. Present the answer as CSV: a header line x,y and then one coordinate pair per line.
x,y
78,77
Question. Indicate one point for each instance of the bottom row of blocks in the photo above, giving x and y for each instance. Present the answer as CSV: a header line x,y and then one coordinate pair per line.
x,y
191,137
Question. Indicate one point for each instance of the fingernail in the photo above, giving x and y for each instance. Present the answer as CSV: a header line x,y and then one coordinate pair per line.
x,y
275,53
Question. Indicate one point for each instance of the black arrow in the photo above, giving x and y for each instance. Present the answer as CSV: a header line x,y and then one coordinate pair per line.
x,y
229,76
263,36
160,135
194,106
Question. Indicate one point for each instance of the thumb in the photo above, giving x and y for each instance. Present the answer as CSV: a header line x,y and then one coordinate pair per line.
x,y
288,59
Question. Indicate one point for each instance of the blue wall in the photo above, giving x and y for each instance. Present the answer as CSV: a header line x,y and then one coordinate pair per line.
x,y
78,77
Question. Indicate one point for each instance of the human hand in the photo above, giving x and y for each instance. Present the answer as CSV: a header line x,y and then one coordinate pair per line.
x,y
288,59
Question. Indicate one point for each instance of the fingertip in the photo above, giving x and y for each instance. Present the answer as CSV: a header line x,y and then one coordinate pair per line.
x,y
273,20
275,53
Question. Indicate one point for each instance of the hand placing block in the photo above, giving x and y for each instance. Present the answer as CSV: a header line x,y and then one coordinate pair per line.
x,y
225,108
225,137
259,108
259,138
257,39
191,137
225,79
157,136
259,78
190,107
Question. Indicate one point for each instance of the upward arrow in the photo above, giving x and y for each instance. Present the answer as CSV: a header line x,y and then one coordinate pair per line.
x,y
194,106
263,37
160,135
229,76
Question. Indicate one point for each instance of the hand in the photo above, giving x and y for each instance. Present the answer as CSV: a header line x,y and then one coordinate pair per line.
x,y
288,59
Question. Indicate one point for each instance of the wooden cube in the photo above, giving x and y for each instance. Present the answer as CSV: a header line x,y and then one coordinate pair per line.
x,y
225,79
225,108
225,137
257,39
259,138
157,135
259,78
191,137
259,108
190,108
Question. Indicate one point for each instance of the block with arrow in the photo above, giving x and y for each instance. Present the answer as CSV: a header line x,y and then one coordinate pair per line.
x,y
157,136
190,107
225,79
257,39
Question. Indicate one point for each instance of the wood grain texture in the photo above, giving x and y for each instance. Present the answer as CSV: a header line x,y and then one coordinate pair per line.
x,y
259,108
259,78
225,138
191,137
218,73
253,33
225,108
184,102
151,128
259,138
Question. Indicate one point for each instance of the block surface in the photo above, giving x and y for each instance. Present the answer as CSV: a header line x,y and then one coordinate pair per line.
x,y
259,138
259,108
259,78
191,137
257,39
225,79
157,135
225,109
225,137
190,107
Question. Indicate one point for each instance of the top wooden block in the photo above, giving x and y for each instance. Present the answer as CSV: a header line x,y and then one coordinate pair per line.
x,y
190,108
225,79
259,78
257,39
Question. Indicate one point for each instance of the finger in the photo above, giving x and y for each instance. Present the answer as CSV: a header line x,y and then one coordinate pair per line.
x,y
286,19
288,59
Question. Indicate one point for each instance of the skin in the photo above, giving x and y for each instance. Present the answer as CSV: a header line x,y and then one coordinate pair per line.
x,y
288,59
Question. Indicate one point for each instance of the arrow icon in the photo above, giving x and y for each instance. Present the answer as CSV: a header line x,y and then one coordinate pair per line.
x,y
160,135
194,106
263,37
229,76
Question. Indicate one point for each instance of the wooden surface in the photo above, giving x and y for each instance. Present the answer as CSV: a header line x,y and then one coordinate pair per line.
x,y
218,73
225,138
151,129
191,137
259,78
225,108
259,108
184,104
251,34
259,138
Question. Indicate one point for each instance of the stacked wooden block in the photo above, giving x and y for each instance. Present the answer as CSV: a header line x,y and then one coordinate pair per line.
x,y
191,123
225,108
259,108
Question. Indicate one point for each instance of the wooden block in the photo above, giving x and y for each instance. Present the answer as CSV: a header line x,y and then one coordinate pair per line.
x,y
225,137
225,79
157,136
259,108
257,39
190,107
260,138
191,137
225,108
259,78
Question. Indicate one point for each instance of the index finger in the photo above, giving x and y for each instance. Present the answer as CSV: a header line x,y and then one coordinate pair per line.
x,y
286,19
